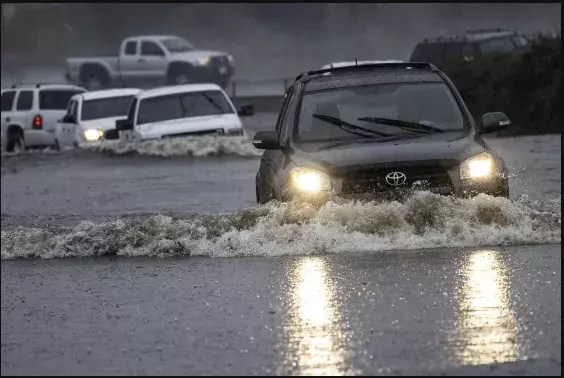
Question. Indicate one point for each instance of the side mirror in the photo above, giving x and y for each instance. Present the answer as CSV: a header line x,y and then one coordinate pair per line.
x,y
266,140
246,110
493,122
111,134
123,124
68,119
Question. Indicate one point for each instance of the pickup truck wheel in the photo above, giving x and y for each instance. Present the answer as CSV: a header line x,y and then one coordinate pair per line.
x,y
182,78
94,78
15,141
93,83
179,75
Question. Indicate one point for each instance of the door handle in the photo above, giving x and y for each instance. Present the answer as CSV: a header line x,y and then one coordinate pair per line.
x,y
8,119
140,60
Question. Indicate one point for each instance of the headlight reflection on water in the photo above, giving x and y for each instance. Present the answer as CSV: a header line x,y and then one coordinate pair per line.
x,y
312,327
487,327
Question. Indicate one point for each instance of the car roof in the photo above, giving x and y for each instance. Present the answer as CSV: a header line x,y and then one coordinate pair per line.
x,y
345,64
369,76
109,93
153,36
40,86
175,89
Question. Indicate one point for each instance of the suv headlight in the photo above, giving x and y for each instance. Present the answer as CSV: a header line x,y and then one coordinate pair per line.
x,y
310,180
478,166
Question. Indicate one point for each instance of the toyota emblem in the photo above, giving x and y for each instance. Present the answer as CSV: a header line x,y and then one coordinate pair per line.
x,y
396,178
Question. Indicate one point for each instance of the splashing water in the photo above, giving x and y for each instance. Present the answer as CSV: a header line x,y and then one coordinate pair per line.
x,y
425,220
198,146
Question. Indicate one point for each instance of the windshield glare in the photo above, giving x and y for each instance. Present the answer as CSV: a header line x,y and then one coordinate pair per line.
x,y
176,45
106,107
426,103
182,105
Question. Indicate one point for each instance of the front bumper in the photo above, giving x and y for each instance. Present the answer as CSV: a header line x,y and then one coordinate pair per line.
x,y
216,71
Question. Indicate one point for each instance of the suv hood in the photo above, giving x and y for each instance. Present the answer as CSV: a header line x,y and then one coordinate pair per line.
x,y
444,149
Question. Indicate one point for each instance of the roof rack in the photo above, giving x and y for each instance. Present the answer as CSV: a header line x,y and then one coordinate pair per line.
x,y
365,67
38,85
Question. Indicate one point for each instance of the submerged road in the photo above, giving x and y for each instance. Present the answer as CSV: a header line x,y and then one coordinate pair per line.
x,y
477,310
403,312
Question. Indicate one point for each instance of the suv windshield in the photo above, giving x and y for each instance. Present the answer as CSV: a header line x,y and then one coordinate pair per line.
x,y
182,105
56,99
177,45
430,104
106,107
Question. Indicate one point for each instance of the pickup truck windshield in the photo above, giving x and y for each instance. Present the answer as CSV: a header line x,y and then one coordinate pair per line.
x,y
177,45
106,107
423,105
182,105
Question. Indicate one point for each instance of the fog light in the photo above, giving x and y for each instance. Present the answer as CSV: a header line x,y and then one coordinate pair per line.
x,y
310,180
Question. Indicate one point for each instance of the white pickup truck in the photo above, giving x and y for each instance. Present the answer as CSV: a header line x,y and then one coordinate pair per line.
x,y
152,60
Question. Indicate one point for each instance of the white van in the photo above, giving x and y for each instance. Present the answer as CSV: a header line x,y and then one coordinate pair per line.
x,y
182,110
90,114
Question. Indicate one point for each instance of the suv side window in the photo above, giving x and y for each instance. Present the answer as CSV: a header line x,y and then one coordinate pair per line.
x,y
503,44
25,100
8,100
131,48
151,48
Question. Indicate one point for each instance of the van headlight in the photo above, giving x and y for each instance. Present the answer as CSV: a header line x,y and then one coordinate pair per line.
x,y
92,135
478,166
310,180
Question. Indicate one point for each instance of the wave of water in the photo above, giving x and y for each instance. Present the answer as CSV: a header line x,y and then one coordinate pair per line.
x,y
198,146
424,220
35,151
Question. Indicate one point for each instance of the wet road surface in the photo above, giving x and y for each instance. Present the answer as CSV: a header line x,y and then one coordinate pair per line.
x,y
417,312
477,310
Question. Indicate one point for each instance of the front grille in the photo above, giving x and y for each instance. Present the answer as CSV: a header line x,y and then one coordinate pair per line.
x,y
374,180
219,60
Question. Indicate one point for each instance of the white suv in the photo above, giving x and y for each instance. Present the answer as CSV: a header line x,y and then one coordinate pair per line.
x,y
30,114
181,110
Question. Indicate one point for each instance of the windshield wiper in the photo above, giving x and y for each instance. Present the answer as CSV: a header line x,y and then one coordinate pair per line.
x,y
212,101
407,125
349,127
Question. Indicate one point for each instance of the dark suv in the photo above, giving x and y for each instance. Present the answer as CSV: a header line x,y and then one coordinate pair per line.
x,y
377,130
473,42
